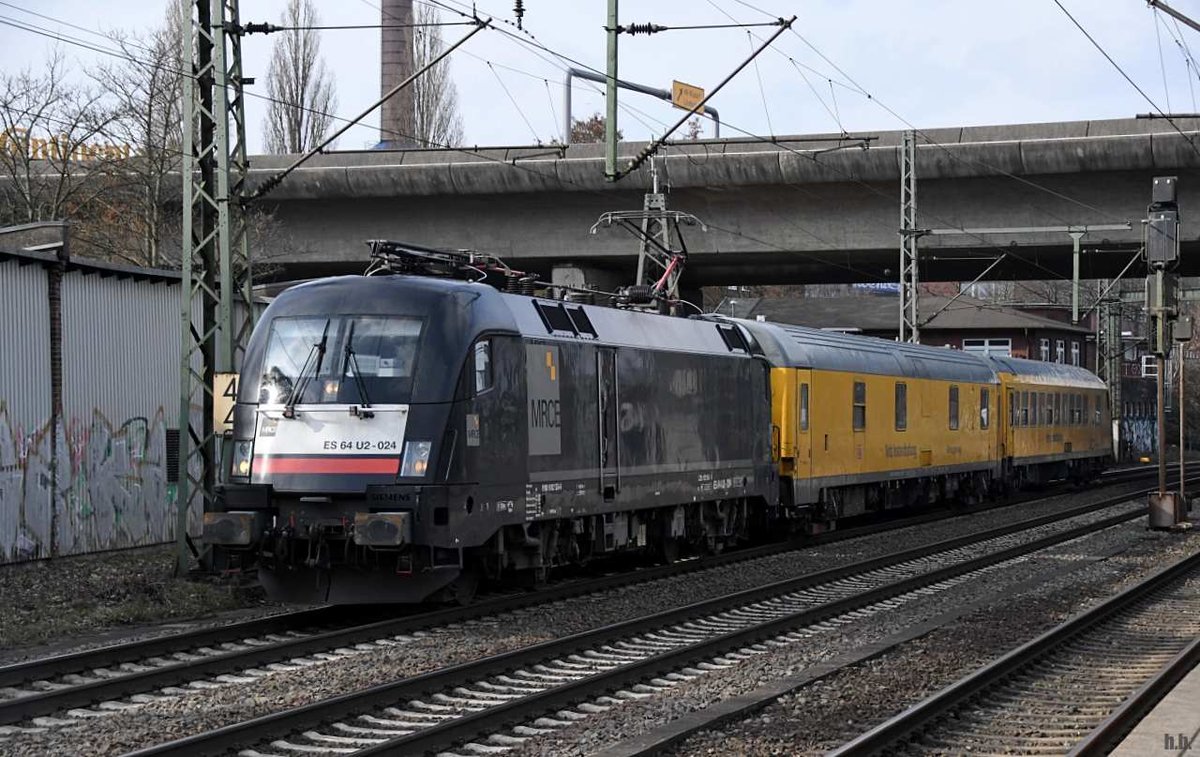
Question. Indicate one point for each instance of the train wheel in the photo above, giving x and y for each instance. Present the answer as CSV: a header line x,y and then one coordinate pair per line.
x,y
669,550
462,590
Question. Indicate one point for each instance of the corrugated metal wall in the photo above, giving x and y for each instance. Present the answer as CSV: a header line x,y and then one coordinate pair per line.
x,y
97,477
25,411
120,354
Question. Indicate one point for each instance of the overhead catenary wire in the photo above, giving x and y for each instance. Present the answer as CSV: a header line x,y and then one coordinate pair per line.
x,y
1162,64
1190,140
513,100
853,86
762,92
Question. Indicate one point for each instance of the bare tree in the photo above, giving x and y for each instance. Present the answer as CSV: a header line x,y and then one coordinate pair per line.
x,y
436,121
56,161
301,89
147,89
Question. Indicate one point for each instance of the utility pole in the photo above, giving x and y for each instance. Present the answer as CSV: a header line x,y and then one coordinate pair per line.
x,y
1162,253
910,330
610,97
215,314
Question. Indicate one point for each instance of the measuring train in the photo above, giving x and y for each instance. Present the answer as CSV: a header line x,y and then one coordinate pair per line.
x,y
398,438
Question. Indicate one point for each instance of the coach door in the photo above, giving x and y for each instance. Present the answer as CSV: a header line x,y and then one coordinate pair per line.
x,y
609,448
803,423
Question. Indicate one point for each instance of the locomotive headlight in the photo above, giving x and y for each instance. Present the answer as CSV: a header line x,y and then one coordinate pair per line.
x,y
416,458
243,454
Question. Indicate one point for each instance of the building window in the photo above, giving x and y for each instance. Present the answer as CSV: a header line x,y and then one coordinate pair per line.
x,y
804,407
860,406
1045,345
901,406
1074,353
1002,347
1149,366
954,408
1060,351
985,398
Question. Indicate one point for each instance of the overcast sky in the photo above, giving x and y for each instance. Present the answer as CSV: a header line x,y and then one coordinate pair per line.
x,y
935,63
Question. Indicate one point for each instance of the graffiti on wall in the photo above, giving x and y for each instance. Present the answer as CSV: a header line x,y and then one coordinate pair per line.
x,y
1139,435
108,486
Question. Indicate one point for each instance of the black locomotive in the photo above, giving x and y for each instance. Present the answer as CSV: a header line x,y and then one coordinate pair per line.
x,y
397,438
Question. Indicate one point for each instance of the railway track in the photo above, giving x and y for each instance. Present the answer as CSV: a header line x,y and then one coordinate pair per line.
x,y
548,685
109,678
1078,688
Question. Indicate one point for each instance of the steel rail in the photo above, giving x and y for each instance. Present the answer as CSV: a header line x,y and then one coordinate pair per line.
x,y
19,709
463,728
1104,737
923,713
89,659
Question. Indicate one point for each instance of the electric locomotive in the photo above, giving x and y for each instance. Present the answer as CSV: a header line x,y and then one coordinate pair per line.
x,y
397,438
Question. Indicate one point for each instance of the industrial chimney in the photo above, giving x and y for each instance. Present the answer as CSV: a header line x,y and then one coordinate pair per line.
x,y
396,65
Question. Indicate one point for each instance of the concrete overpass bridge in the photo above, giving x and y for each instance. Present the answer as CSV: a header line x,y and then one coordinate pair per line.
x,y
798,209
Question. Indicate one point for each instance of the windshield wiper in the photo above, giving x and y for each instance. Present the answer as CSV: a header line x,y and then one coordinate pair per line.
x,y
318,350
350,360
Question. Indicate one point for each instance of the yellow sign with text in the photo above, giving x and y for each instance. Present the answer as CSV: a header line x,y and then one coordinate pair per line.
x,y
686,96
224,398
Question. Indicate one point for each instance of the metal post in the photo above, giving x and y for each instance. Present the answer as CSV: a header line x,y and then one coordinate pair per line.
x,y
1182,424
1075,237
215,310
610,97
1162,425
910,330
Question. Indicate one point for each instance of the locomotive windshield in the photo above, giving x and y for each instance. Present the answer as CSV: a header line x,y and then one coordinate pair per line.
x,y
340,360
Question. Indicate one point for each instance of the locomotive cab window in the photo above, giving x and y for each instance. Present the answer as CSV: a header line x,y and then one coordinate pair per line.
x,y
985,398
483,365
346,359
901,406
954,408
860,406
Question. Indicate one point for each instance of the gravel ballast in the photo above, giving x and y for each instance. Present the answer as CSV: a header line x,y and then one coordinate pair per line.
x,y
197,710
71,603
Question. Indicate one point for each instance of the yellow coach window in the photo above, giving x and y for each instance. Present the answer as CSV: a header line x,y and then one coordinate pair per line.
x,y
860,405
984,399
954,408
901,406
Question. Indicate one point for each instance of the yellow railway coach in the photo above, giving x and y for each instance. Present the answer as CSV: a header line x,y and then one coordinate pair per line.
x,y
1056,421
863,424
